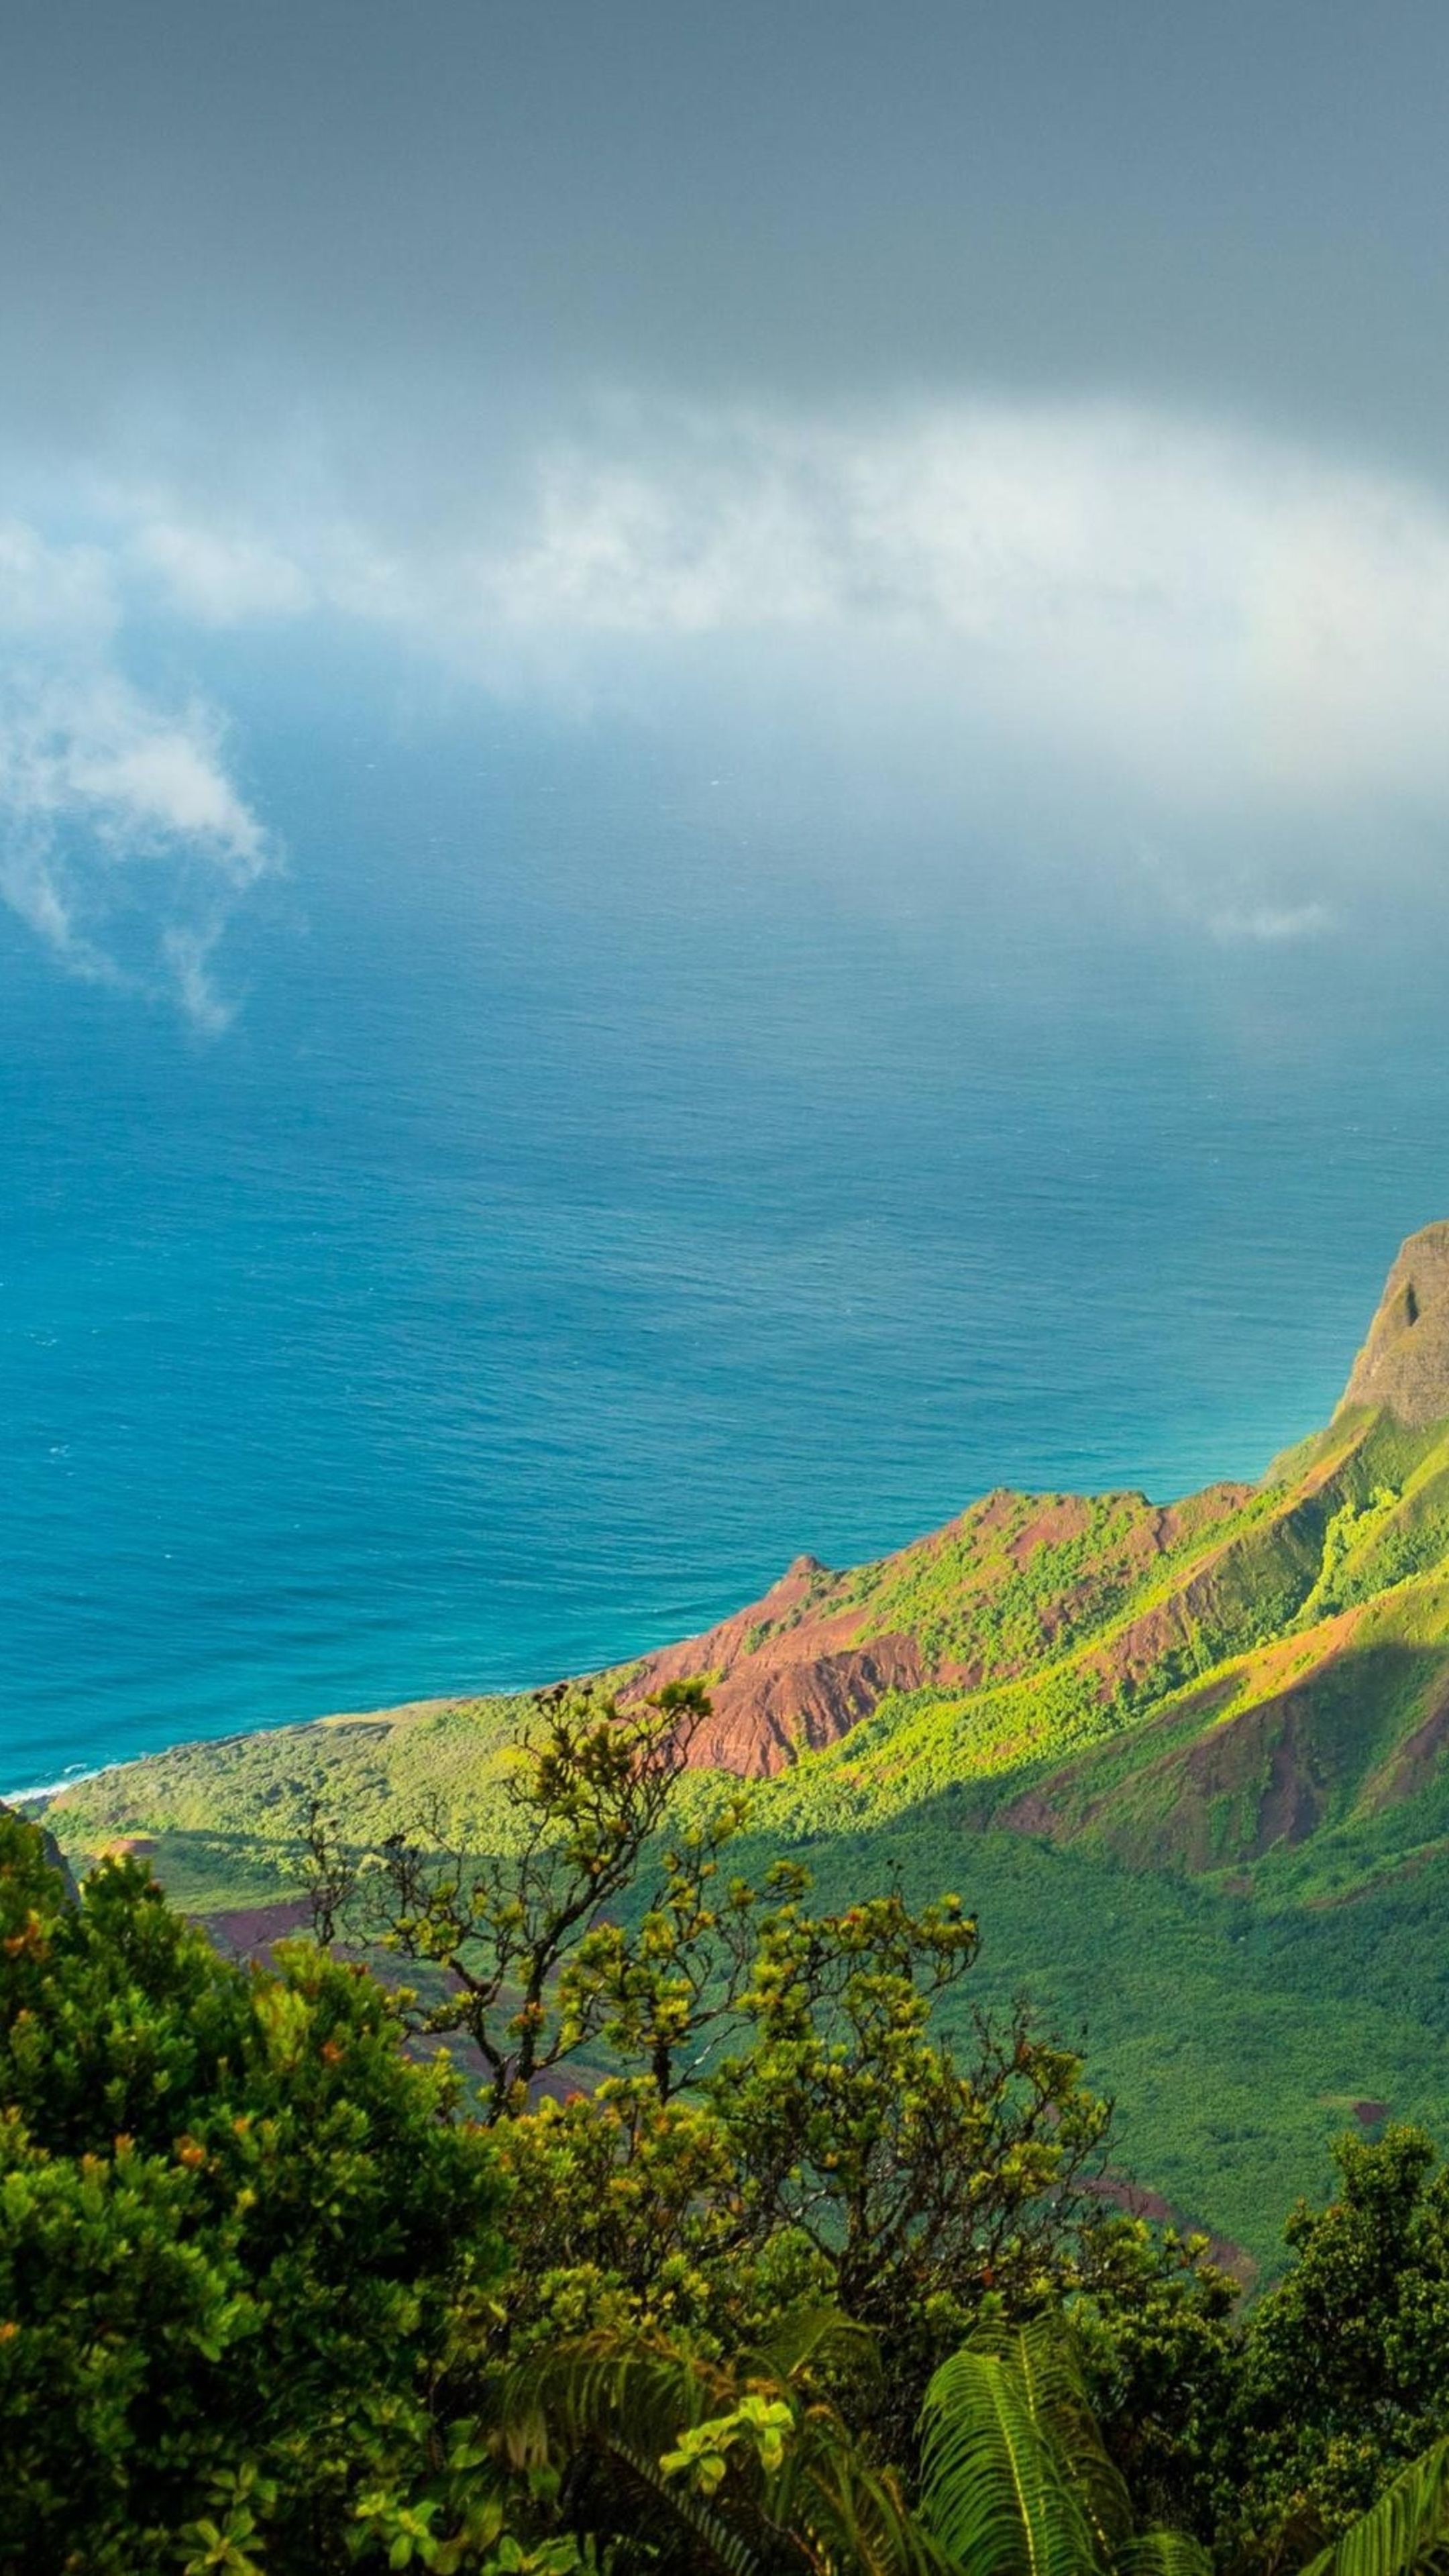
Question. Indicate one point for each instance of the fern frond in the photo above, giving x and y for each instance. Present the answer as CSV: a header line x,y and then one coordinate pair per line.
x,y
577,2389
1163,2553
996,2493
1045,2358
824,2511
852,2516
1407,2528
817,2335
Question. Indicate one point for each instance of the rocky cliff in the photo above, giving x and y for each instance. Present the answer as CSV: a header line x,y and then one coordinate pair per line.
x,y
1404,1364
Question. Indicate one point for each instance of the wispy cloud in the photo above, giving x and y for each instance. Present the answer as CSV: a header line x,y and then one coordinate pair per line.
x,y
217,576
1211,615
1268,925
123,840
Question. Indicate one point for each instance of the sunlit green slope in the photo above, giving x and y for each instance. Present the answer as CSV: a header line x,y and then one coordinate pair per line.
x,y
1285,1676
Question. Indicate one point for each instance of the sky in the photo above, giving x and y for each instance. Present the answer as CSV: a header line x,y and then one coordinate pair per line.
x,y
1047,405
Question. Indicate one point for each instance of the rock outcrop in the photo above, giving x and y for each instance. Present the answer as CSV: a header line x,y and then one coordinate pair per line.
x,y
1404,1364
997,1594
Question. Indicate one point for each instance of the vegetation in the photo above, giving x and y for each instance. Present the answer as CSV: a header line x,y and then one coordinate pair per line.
x,y
241,2237
1015,2475
1237,2027
745,2467
606,2168
741,2236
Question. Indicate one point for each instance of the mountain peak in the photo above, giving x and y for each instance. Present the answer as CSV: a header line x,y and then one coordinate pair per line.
x,y
1404,1364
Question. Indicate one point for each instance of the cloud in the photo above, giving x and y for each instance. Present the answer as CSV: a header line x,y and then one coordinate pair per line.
x,y
217,577
123,842
1147,628
1208,615
1211,617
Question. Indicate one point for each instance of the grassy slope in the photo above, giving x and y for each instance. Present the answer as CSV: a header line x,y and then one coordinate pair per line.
x,y
234,1813
1212,1733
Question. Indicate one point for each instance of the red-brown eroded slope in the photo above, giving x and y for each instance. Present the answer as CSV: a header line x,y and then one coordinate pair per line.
x,y
786,1673
999,1592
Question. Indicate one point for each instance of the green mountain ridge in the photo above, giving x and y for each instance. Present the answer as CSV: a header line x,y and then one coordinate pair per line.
x,y
1186,1761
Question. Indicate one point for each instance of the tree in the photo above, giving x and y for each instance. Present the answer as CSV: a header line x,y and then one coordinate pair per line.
x,y
1344,2373
925,2184
516,1938
629,2215
243,2240
1404,2533
781,2122
1160,2341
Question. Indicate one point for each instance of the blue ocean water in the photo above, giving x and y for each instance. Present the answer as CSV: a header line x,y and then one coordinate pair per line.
x,y
618,1178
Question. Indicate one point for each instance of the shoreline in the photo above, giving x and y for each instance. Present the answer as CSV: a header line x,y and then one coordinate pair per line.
x,y
276,1726
240,1735
53,1788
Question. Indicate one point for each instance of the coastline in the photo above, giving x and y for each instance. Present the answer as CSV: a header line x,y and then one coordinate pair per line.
x,y
52,1788
47,1789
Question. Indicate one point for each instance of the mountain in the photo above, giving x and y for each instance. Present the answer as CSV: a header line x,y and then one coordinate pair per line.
x,y
1187,1761
1191,1686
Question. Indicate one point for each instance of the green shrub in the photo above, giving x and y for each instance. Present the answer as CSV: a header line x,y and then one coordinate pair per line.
x,y
241,2238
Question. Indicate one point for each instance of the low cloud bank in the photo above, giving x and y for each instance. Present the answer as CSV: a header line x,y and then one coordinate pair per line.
x,y
1208,629
1211,613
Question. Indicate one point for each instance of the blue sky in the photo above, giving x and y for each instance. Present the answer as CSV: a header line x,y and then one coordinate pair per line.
x,y
1055,395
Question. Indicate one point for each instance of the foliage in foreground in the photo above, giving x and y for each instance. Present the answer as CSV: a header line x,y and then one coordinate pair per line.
x,y
747,2468
799,2283
786,2123
240,2236
1015,2476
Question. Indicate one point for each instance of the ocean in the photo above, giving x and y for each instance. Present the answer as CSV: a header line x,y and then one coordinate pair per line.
x,y
622,1174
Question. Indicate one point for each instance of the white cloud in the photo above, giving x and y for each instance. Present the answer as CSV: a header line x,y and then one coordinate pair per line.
x,y
123,841
187,949
147,785
1211,615
219,577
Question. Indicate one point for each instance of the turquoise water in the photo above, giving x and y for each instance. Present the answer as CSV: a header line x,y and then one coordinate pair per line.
x,y
619,1178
